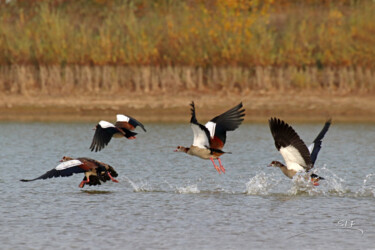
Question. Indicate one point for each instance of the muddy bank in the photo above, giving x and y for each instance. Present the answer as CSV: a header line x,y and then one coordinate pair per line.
x,y
175,108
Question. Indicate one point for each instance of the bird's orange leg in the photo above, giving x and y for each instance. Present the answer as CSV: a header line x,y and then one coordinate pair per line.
x,y
315,181
221,166
112,179
216,167
83,182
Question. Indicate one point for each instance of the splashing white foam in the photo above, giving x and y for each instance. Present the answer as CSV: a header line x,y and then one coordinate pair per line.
x,y
301,183
332,184
368,187
190,189
142,187
260,184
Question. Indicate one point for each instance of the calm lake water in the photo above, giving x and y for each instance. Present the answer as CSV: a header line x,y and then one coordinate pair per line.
x,y
168,200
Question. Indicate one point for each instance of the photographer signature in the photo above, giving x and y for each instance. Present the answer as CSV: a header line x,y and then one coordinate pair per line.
x,y
341,224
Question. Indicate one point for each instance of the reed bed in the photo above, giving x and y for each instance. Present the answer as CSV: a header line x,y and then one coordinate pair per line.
x,y
74,80
65,47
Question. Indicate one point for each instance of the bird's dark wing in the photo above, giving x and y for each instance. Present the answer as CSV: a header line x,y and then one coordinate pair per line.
x,y
315,147
201,133
127,133
128,122
112,171
103,136
64,169
103,175
290,145
228,121
100,168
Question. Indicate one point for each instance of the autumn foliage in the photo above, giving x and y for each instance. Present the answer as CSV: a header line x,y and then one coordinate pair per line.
x,y
188,33
112,46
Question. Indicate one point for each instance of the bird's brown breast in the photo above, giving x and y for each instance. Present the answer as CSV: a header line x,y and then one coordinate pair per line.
x,y
203,153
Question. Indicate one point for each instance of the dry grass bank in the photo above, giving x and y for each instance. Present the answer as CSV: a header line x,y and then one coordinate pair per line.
x,y
91,80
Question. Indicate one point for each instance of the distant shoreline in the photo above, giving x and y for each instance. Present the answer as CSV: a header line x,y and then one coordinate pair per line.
x,y
293,106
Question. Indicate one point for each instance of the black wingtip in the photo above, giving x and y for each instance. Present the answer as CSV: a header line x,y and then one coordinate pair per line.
x,y
192,106
229,120
95,148
241,110
25,180
137,123
278,126
143,128
240,105
276,122
193,117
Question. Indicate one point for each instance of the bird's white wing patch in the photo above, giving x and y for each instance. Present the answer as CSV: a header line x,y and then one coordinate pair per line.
x,y
293,158
122,118
211,126
311,147
68,164
200,137
105,124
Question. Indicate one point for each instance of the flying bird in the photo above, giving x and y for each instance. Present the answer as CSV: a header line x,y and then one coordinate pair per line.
x,y
95,171
104,131
297,156
209,139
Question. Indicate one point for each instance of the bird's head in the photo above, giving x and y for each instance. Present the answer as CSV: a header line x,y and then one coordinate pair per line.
x,y
315,179
275,164
66,158
181,149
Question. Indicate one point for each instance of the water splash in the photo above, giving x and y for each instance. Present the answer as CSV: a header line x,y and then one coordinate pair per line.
x,y
270,184
261,184
265,184
301,184
331,185
142,187
368,187
190,189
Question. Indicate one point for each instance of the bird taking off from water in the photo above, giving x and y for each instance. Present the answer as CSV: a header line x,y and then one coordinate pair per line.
x,y
209,139
297,157
95,171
